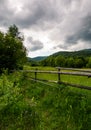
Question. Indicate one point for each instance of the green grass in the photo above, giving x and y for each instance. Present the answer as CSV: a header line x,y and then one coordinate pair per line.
x,y
60,107
26,67
76,80
81,80
29,105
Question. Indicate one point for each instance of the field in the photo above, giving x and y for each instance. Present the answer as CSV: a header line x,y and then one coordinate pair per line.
x,y
81,80
30,105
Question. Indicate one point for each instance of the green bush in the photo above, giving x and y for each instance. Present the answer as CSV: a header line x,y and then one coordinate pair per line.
x,y
15,112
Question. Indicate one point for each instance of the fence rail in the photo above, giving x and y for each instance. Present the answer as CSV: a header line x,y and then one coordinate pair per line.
x,y
59,72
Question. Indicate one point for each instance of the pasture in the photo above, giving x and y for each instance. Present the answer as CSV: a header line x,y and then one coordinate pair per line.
x,y
73,79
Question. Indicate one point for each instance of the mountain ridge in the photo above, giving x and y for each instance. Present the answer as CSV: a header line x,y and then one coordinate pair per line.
x,y
83,52
39,58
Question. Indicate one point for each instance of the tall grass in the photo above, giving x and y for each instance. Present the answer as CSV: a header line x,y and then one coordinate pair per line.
x,y
15,112
29,105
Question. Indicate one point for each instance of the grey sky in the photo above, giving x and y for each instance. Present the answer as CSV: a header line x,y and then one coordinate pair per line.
x,y
49,25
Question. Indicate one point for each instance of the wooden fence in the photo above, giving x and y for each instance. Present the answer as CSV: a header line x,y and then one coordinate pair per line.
x,y
59,72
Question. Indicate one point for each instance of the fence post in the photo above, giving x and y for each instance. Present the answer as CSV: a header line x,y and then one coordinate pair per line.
x,y
36,74
59,80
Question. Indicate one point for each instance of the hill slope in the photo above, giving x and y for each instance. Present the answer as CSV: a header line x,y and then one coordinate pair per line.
x,y
85,52
76,59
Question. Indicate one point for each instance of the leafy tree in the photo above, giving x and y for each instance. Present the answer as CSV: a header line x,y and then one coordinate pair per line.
x,y
43,62
14,32
12,51
59,61
88,65
79,63
50,61
69,62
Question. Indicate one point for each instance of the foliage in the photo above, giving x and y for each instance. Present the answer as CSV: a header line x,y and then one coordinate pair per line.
x,y
12,51
15,112
28,105
62,61
89,63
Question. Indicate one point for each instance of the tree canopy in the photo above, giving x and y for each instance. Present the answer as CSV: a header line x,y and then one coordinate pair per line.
x,y
12,50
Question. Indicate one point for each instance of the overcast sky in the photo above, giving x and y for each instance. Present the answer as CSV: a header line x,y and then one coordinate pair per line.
x,y
49,25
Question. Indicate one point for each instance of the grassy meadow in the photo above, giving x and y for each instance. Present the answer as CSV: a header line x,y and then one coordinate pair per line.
x,y
30,105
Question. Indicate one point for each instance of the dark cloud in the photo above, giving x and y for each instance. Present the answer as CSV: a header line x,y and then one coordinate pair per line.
x,y
83,34
6,13
34,45
63,46
75,29
66,22
40,14
35,13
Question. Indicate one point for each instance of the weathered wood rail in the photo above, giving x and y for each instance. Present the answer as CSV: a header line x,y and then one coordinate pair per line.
x,y
59,72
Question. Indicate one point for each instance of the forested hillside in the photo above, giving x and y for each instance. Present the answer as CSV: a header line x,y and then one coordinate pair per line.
x,y
85,52
77,59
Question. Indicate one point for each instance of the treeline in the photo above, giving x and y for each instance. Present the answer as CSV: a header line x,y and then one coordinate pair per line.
x,y
64,61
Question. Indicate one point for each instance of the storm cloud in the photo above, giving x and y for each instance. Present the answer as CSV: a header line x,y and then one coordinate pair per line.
x,y
64,22
34,45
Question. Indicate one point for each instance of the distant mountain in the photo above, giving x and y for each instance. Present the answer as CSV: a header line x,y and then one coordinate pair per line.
x,y
29,59
39,58
85,52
